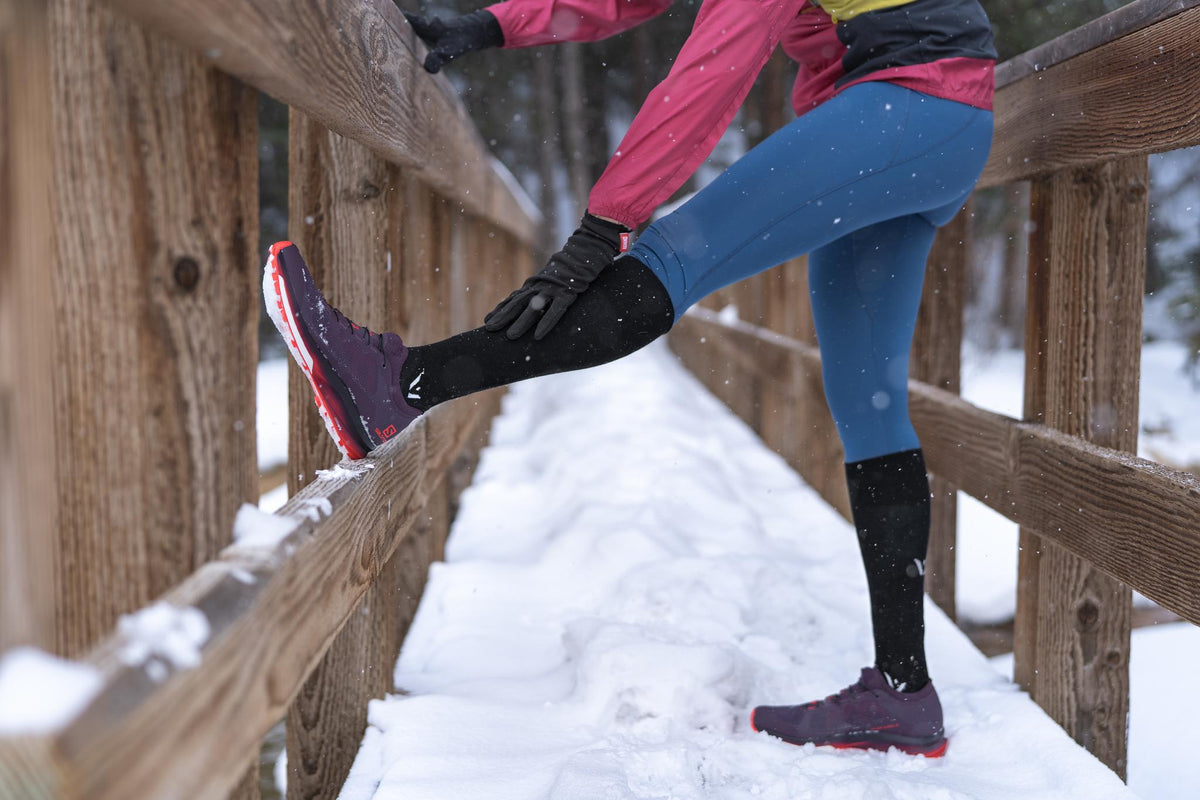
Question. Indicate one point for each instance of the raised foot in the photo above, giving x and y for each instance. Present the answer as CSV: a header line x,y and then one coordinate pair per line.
x,y
354,373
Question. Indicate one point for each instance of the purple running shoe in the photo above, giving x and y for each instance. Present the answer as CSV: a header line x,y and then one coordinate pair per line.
x,y
868,715
355,374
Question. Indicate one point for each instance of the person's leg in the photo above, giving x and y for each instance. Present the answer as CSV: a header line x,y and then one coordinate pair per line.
x,y
368,386
866,290
875,152
624,309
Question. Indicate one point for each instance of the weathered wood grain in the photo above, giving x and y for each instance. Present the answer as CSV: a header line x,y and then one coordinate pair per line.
x,y
1136,95
355,67
156,205
28,470
338,197
28,769
1132,518
936,360
1083,345
272,612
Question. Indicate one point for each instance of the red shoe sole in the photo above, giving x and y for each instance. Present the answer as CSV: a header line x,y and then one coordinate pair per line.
x,y
934,751
279,302
930,751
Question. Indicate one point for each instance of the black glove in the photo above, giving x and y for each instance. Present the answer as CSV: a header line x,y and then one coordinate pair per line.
x,y
449,40
546,296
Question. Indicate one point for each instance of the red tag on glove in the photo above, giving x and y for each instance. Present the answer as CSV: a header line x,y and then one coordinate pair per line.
x,y
624,242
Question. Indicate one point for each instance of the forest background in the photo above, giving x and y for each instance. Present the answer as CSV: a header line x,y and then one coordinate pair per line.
x,y
553,115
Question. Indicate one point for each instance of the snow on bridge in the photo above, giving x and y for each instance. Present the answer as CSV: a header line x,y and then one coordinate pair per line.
x,y
630,573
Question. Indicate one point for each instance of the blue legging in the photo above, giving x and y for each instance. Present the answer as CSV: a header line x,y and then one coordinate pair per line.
x,y
860,183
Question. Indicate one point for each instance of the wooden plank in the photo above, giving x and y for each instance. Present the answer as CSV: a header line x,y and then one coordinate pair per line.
x,y
248,788
1083,344
1132,518
28,769
272,613
355,67
1110,27
156,203
795,419
338,196
327,719
380,244
13,593
28,470
936,360
1137,95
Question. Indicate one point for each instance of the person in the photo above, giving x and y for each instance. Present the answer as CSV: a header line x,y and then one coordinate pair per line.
x,y
893,127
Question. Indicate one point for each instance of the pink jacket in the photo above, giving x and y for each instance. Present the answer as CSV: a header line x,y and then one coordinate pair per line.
x,y
683,117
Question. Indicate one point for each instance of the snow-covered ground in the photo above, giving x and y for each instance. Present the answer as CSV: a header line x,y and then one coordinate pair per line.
x,y
630,572
535,559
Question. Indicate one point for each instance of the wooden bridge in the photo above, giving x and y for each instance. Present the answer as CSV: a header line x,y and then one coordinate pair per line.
x,y
128,307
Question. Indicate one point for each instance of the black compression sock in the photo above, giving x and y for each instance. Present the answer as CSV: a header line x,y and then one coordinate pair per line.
x,y
889,497
624,309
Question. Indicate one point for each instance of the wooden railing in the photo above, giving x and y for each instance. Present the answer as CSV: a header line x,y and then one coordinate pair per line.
x,y
129,303
1078,117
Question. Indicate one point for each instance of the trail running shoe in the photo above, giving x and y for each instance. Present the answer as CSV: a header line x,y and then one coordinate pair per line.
x,y
355,373
868,715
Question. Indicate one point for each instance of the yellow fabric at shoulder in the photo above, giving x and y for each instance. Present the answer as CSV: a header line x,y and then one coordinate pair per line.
x,y
842,10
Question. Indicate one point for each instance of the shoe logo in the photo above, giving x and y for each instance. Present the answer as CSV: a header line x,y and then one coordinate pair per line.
x,y
413,394
920,566
386,433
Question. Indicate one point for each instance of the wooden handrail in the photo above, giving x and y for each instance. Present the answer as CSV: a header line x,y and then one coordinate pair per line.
x,y
354,66
272,613
1141,529
176,247
1096,98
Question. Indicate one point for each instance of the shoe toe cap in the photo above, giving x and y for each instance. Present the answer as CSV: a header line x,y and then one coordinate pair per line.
x,y
773,719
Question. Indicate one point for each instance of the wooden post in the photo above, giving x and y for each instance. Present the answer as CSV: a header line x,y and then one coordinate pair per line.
x,y
1083,353
154,191
131,317
155,196
380,246
936,360
28,475
808,438
341,199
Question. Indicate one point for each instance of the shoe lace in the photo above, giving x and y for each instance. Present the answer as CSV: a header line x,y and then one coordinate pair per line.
x,y
371,338
847,693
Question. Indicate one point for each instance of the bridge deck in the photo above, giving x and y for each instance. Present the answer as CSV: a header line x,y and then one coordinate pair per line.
x,y
632,571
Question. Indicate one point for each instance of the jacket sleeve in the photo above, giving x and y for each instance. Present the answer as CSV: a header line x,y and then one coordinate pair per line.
x,y
685,115
527,23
